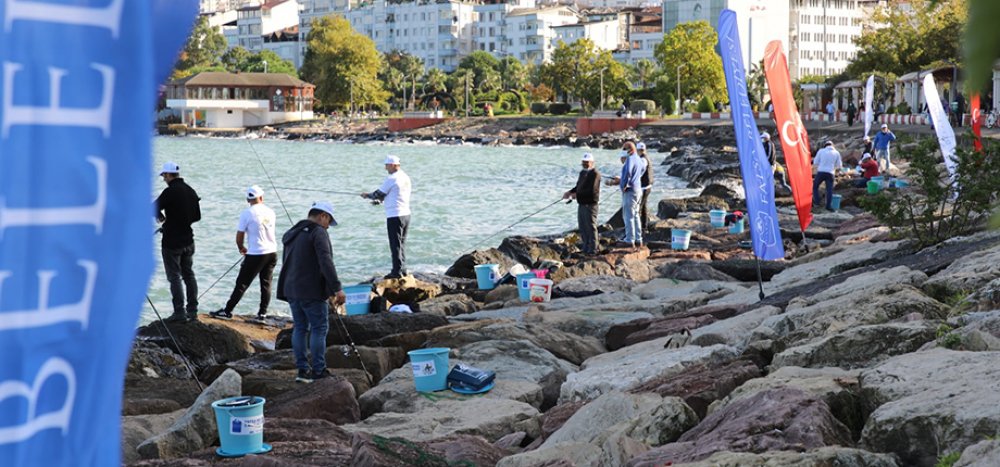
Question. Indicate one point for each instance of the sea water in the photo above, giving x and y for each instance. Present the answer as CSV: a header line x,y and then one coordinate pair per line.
x,y
461,195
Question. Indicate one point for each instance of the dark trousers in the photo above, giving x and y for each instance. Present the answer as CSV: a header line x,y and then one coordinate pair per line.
x,y
827,178
644,209
397,227
260,266
310,323
178,264
586,218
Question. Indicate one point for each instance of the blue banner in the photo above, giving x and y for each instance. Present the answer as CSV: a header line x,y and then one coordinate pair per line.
x,y
758,180
77,95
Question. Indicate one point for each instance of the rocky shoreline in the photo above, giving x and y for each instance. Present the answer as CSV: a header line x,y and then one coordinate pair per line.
x,y
864,352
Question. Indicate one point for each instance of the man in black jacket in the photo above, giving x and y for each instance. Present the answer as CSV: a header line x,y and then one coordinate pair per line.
x,y
587,193
647,187
308,278
178,207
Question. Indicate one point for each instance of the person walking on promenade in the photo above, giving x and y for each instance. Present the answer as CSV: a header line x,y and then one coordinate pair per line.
x,y
394,193
256,226
587,194
308,279
852,111
647,187
177,208
881,143
827,162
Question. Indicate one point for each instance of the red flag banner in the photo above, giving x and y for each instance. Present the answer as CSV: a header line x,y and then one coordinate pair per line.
x,y
794,141
977,123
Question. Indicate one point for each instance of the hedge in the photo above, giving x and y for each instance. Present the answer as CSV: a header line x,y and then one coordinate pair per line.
x,y
539,108
643,105
559,108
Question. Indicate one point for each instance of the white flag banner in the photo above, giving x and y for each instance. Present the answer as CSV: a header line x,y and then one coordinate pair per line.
x,y
869,104
946,136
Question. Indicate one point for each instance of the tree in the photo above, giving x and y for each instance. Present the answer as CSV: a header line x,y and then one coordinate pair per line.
x,y
911,40
275,64
576,70
342,64
410,67
645,73
235,59
982,41
693,45
513,73
485,69
203,49
435,81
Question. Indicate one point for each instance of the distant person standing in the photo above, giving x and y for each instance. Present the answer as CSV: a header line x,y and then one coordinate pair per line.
x,y
394,193
178,207
852,111
630,184
308,279
959,109
881,144
827,162
830,109
647,186
256,227
587,194
772,158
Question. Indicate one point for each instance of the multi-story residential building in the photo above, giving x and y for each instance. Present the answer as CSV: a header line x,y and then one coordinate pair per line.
x,y
312,9
256,21
489,31
604,33
822,34
759,21
531,32
220,6
439,32
644,33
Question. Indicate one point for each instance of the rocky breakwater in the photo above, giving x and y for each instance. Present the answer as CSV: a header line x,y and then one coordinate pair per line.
x,y
864,352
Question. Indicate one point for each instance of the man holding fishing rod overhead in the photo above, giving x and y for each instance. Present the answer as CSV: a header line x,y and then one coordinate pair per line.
x,y
256,226
395,195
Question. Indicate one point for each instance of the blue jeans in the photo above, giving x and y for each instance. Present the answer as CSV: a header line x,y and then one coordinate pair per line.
x,y
827,179
630,214
310,316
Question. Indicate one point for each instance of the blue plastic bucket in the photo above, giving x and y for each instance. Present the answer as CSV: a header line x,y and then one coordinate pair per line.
x,y
878,178
900,183
680,239
358,298
430,368
737,227
523,288
835,202
717,217
240,421
487,275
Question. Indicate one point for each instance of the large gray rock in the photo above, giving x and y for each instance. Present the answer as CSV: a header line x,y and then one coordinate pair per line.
x,y
331,399
629,366
611,429
204,343
966,274
982,454
449,305
464,266
859,347
585,323
701,385
520,360
196,428
734,331
930,400
593,285
489,418
368,328
687,270
978,330
570,347
825,456
138,428
778,419
672,289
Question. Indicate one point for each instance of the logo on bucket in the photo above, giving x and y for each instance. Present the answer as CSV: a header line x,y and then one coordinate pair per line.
x,y
421,369
356,298
246,425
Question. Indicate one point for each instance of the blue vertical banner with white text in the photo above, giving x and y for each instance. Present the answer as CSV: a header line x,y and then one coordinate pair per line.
x,y
758,179
77,93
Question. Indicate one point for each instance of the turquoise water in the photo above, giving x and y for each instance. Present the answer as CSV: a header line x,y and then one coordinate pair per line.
x,y
461,195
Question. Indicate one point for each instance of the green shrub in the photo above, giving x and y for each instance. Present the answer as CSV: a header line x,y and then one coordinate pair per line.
x,y
664,95
539,108
903,109
706,105
643,104
559,108
512,101
948,460
936,206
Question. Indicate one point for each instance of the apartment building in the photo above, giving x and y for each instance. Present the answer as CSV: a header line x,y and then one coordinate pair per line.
x,y
490,29
531,32
604,33
644,31
258,20
821,35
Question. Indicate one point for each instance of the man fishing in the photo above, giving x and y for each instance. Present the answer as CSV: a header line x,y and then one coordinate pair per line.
x,y
587,193
178,207
394,194
256,226
630,183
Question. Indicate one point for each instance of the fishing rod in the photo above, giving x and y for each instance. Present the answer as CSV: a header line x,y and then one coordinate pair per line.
x,y
238,261
515,223
335,192
187,363
350,341
278,195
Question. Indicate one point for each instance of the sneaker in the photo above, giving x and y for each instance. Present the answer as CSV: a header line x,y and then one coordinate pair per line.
x,y
321,375
176,318
221,314
304,376
392,275
192,317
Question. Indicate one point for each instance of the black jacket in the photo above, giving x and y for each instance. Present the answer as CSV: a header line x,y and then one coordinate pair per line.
x,y
647,176
307,270
588,187
772,156
178,203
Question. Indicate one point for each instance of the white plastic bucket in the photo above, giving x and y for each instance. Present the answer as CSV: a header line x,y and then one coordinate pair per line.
x,y
717,217
540,290
680,239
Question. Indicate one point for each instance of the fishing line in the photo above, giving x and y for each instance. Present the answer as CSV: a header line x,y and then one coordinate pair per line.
x,y
350,341
477,245
238,261
335,192
184,358
278,195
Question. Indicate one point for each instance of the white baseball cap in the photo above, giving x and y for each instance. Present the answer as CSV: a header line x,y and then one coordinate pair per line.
x,y
885,126
394,160
326,207
640,146
254,192
765,135
587,157
170,168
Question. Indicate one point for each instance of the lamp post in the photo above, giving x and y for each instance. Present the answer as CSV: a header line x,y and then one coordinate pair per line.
x,y
265,65
602,86
404,92
679,100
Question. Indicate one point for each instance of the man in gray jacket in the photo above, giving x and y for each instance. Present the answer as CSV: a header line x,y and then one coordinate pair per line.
x,y
308,278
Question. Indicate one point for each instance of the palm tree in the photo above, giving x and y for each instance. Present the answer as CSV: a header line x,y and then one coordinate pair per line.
x,y
413,67
435,81
645,72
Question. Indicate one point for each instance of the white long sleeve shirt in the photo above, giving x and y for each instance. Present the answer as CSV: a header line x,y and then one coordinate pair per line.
x,y
828,160
397,194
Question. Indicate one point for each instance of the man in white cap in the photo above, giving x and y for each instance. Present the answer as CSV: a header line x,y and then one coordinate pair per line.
x,y
308,279
587,194
177,208
647,186
394,193
256,226
881,143
827,162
